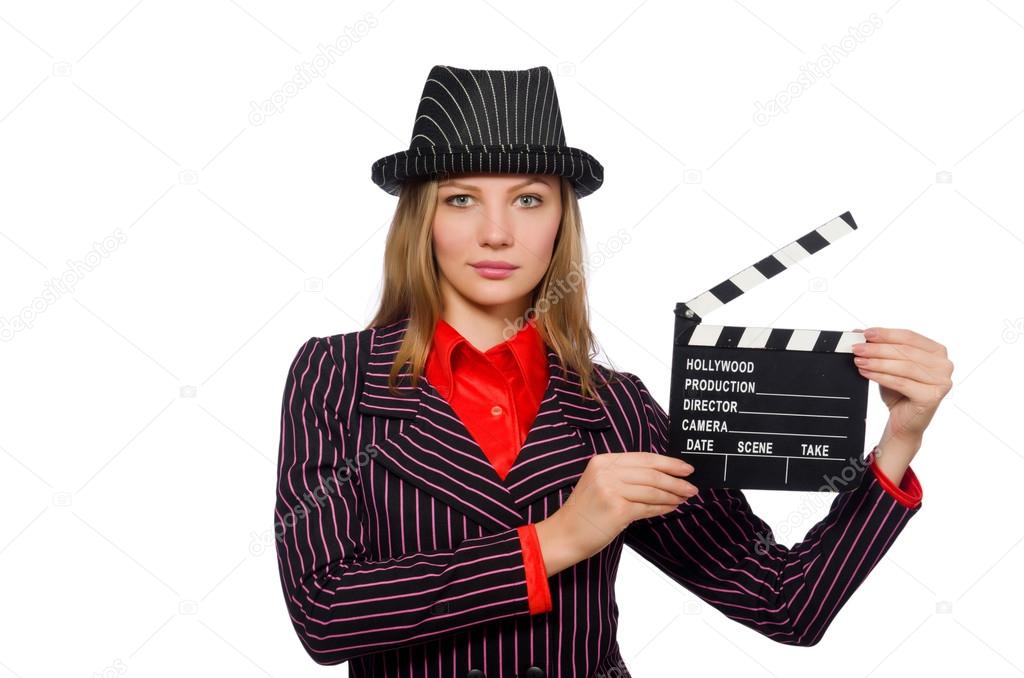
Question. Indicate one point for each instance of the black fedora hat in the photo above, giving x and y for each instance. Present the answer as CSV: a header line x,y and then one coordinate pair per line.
x,y
475,120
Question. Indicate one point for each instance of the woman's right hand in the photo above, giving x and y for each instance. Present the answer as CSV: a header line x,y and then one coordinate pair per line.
x,y
614,490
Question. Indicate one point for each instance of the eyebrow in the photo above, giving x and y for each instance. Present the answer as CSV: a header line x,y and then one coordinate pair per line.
x,y
531,180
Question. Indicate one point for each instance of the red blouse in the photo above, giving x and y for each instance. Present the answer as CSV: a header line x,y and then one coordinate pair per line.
x,y
497,393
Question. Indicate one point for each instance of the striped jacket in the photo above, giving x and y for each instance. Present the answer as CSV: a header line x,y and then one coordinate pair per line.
x,y
398,550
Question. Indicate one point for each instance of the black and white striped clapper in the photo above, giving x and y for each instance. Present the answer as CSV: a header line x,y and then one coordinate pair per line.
x,y
767,408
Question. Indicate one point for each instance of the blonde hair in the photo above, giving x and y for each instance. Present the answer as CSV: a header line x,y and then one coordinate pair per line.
x,y
411,288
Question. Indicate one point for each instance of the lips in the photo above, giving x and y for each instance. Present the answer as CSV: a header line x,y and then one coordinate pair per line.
x,y
503,265
494,270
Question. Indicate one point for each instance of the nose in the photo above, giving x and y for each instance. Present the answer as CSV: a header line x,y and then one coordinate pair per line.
x,y
495,228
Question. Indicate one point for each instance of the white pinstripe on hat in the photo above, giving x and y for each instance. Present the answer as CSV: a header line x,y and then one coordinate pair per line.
x,y
473,120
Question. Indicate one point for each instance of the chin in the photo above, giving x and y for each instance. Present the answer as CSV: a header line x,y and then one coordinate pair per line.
x,y
498,292
482,299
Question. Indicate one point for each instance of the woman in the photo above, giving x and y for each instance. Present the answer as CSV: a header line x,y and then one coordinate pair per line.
x,y
457,480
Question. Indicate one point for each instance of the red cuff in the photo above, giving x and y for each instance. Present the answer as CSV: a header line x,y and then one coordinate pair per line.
x,y
536,574
909,492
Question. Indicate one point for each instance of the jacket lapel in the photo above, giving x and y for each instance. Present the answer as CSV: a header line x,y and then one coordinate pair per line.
x,y
432,448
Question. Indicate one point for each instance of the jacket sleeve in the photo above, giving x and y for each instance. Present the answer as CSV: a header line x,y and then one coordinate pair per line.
x,y
717,548
342,601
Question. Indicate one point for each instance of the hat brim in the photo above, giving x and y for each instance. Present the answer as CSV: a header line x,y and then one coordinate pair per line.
x,y
583,170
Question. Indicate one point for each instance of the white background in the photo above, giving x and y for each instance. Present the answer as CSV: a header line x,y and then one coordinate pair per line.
x,y
199,248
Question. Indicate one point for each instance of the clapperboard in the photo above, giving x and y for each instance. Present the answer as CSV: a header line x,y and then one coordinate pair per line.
x,y
766,408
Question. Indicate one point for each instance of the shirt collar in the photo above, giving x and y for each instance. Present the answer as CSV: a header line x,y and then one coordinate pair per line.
x,y
526,345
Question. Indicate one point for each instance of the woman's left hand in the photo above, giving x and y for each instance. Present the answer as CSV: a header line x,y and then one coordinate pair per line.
x,y
913,375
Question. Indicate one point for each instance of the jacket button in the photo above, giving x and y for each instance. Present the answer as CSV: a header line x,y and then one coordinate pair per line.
x,y
475,673
534,672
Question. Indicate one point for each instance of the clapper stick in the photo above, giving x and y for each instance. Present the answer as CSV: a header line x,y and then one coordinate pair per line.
x,y
752,276
769,267
766,408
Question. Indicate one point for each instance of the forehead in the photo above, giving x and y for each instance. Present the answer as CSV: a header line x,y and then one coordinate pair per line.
x,y
495,180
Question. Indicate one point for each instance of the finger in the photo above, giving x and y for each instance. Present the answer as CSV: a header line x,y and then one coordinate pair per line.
x,y
902,368
904,351
668,464
647,477
915,390
654,478
894,335
662,462
645,494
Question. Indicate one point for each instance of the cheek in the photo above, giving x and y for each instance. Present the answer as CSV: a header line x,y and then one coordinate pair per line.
x,y
450,241
539,238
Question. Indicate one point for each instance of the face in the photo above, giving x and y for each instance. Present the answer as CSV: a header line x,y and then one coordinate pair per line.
x,y
506,220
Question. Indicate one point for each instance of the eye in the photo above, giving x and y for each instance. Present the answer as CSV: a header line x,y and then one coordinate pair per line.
x,y
455,197
536,200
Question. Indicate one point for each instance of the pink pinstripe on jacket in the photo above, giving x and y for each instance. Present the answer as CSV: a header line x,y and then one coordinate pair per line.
x,y
398,547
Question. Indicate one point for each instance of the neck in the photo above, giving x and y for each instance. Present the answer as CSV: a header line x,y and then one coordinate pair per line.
x,y
485,326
